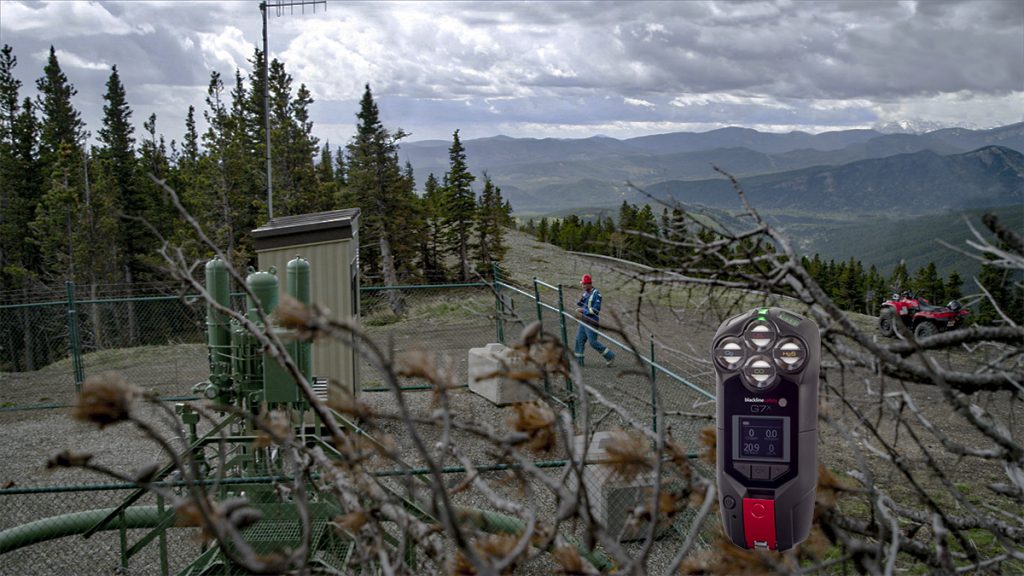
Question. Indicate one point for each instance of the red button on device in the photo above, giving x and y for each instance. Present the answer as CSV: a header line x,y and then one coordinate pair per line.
x,y
759,523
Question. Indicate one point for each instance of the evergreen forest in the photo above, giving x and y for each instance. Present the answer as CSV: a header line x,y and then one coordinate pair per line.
x,y
91,210
668,241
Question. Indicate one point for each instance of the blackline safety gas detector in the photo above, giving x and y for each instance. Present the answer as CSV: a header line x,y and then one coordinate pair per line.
x,y
767,363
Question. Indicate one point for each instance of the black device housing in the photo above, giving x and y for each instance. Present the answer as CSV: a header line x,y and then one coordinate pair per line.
x,y
767,364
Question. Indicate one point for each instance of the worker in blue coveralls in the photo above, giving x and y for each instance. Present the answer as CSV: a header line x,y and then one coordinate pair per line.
x,y
589,309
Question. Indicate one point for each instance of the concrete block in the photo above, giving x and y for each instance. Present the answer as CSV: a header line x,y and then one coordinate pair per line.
x,y
612,498
483,362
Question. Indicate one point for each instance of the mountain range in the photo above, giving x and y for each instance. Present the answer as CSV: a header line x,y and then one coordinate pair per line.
x,y
851,170
878,197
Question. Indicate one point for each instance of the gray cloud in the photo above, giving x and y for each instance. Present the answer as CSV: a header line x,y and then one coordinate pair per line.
x,y
554,68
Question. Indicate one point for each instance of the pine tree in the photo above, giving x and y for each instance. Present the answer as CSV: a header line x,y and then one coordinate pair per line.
x,y
56,216
117,188
998,282
61,165
9,97
150,206
875,290
190,145
381,193
900,277
12,211
490,227
325,166
850,285
954,286
459,207
542,230
230,183
927,284
326,180
293,145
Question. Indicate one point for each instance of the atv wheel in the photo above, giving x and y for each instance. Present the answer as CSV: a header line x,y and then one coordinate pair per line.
x,y
925,329
885,320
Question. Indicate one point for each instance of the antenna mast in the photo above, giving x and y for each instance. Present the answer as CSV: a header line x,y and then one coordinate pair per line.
x,y
280,6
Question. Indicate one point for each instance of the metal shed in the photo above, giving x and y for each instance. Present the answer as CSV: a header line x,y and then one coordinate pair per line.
x,y
330,242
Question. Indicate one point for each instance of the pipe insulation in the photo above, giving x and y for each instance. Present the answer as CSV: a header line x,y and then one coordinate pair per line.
x,y
78,523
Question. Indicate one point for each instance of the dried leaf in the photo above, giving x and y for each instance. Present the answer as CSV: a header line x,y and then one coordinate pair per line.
x,y
677,455
352,521
530,332
297,316
570,562
263,440
628,454
830,489
709,440
344,402
496,546
537,420
417,364
105,399
727,558
188,514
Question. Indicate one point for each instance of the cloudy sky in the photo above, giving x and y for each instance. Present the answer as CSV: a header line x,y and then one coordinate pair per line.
x,y
553,69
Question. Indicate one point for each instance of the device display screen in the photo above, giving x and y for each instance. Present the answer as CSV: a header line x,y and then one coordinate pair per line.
x,y
761,438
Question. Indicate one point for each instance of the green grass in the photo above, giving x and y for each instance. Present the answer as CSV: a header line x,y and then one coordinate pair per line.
x,y
118,358
447,306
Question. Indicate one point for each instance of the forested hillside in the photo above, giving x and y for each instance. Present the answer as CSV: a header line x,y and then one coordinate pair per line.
x,y
86,209
670,239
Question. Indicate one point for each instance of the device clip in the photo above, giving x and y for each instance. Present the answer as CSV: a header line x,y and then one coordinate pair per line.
x,y
759,523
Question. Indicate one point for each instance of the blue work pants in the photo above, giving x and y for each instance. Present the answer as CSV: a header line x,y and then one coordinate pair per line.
x,y
587,334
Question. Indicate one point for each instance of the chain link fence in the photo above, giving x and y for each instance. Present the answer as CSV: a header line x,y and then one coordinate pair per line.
x,y
158,342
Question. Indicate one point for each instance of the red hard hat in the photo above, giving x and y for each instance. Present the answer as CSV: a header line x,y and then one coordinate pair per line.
x,y
586,279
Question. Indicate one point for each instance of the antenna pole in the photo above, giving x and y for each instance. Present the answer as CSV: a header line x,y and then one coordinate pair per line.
x,y
266,113
264,6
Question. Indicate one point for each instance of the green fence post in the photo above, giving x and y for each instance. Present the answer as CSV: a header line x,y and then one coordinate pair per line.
x,y
73,340
499,306
536,300
540,318
654,391
565,346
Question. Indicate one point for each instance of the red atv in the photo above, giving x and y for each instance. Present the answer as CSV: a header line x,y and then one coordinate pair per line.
x,y
918,315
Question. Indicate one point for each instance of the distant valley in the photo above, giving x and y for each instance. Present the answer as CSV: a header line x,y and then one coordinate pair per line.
x,y
824,190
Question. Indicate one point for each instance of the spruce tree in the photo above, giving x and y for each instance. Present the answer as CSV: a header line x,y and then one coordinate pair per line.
x,y
381,193
459,207
11,216
117,189
954,286
900,277
62,171
432,243
927,284
9,97
190,144
490,228
1002,293
61,123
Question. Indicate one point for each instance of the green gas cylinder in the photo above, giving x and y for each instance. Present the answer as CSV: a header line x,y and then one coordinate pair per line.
x,y
297,278
218,335
264,286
